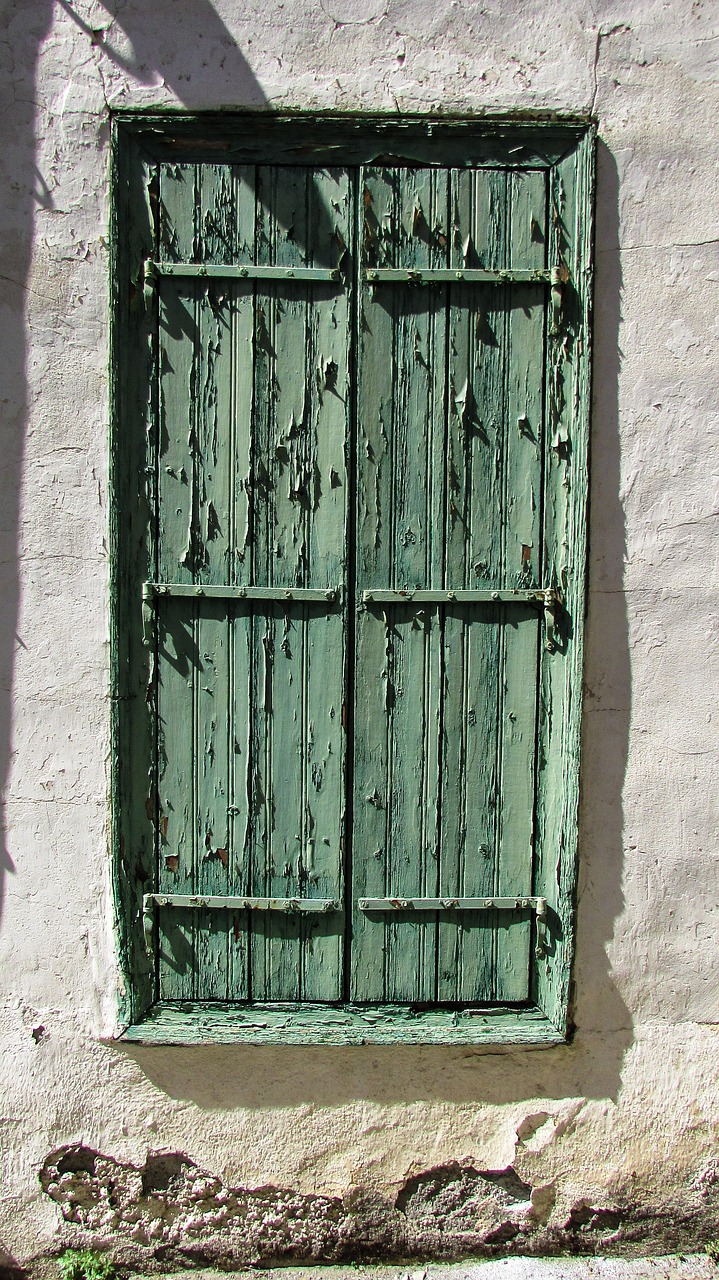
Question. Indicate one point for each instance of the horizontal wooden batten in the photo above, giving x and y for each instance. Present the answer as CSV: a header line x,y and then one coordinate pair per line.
x,y
453,904
533,595
279,595
218,902
215,1023
231,902
243,271
515,903
461,275
333,275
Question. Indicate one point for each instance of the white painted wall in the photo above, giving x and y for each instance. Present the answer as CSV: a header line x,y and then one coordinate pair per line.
x,y
627,1114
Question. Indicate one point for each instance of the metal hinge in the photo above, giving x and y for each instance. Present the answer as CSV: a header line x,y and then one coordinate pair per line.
x,y
559,277
214,591
149,281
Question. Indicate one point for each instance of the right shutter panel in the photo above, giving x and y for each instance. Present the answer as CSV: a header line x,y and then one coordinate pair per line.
x,y
450,440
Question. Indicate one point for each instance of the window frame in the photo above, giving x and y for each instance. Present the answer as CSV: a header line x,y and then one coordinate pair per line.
x,y
565,146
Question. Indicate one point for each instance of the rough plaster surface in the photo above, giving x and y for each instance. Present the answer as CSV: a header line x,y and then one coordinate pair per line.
x,y
611,1142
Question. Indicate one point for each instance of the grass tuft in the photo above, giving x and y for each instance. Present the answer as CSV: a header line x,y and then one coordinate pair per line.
x,y
85,1264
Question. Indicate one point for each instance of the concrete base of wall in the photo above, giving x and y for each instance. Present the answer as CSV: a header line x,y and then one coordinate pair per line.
x,y
670,1267
685,1267
170,1213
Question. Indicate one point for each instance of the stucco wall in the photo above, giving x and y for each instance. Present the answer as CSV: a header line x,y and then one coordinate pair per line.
x,y
613,1137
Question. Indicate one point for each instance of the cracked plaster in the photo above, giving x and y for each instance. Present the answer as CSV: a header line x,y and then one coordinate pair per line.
x,y
622,1122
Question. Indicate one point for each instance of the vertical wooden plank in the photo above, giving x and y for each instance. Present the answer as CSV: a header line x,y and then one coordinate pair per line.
x,y
330,199
133,443
261,638
375,415
302,400
322,853
521,563
571,184
402,510
178,653
280,461
556,760
216,231
241,796
475,470
415,534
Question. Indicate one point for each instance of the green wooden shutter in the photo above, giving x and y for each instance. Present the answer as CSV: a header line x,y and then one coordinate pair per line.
x,y
350,462
449,497
252,492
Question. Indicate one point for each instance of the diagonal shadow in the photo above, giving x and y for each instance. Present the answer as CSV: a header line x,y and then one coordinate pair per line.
x,y
23,188
164,39
186,47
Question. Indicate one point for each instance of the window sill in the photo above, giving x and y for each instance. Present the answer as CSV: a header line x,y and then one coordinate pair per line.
x,y
185,1023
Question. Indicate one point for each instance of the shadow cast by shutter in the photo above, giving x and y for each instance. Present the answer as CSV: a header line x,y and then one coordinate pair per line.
x,y
591,1065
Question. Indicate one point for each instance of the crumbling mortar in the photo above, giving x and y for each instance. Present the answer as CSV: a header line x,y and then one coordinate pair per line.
x,y
171,1213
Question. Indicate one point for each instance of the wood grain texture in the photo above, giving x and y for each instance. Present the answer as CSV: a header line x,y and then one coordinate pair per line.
x,y
131,562
449,485
252,490
568,383
475,415
208,1023
231,438
523,435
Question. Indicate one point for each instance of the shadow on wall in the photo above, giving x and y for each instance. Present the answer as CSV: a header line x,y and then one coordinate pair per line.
x,y
160,34
23,188
157,34
266,1077
10,1269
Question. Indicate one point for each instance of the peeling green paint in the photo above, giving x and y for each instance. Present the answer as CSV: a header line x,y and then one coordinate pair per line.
x,y
241,402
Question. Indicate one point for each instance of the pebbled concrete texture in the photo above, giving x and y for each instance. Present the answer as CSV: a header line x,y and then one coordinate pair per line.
x,y
611,1141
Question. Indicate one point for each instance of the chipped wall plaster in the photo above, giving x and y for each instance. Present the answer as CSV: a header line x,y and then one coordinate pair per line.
x,y
615,1135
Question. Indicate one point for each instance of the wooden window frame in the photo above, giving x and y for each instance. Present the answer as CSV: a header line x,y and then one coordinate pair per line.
x,y
565,146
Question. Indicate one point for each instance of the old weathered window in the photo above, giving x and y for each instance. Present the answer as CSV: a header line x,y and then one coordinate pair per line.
x,y
352,375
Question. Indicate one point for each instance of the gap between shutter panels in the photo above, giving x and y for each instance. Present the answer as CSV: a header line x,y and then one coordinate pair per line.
x,y
206,634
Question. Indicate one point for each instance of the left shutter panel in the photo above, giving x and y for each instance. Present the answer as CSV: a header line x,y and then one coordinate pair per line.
x,y
251,493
